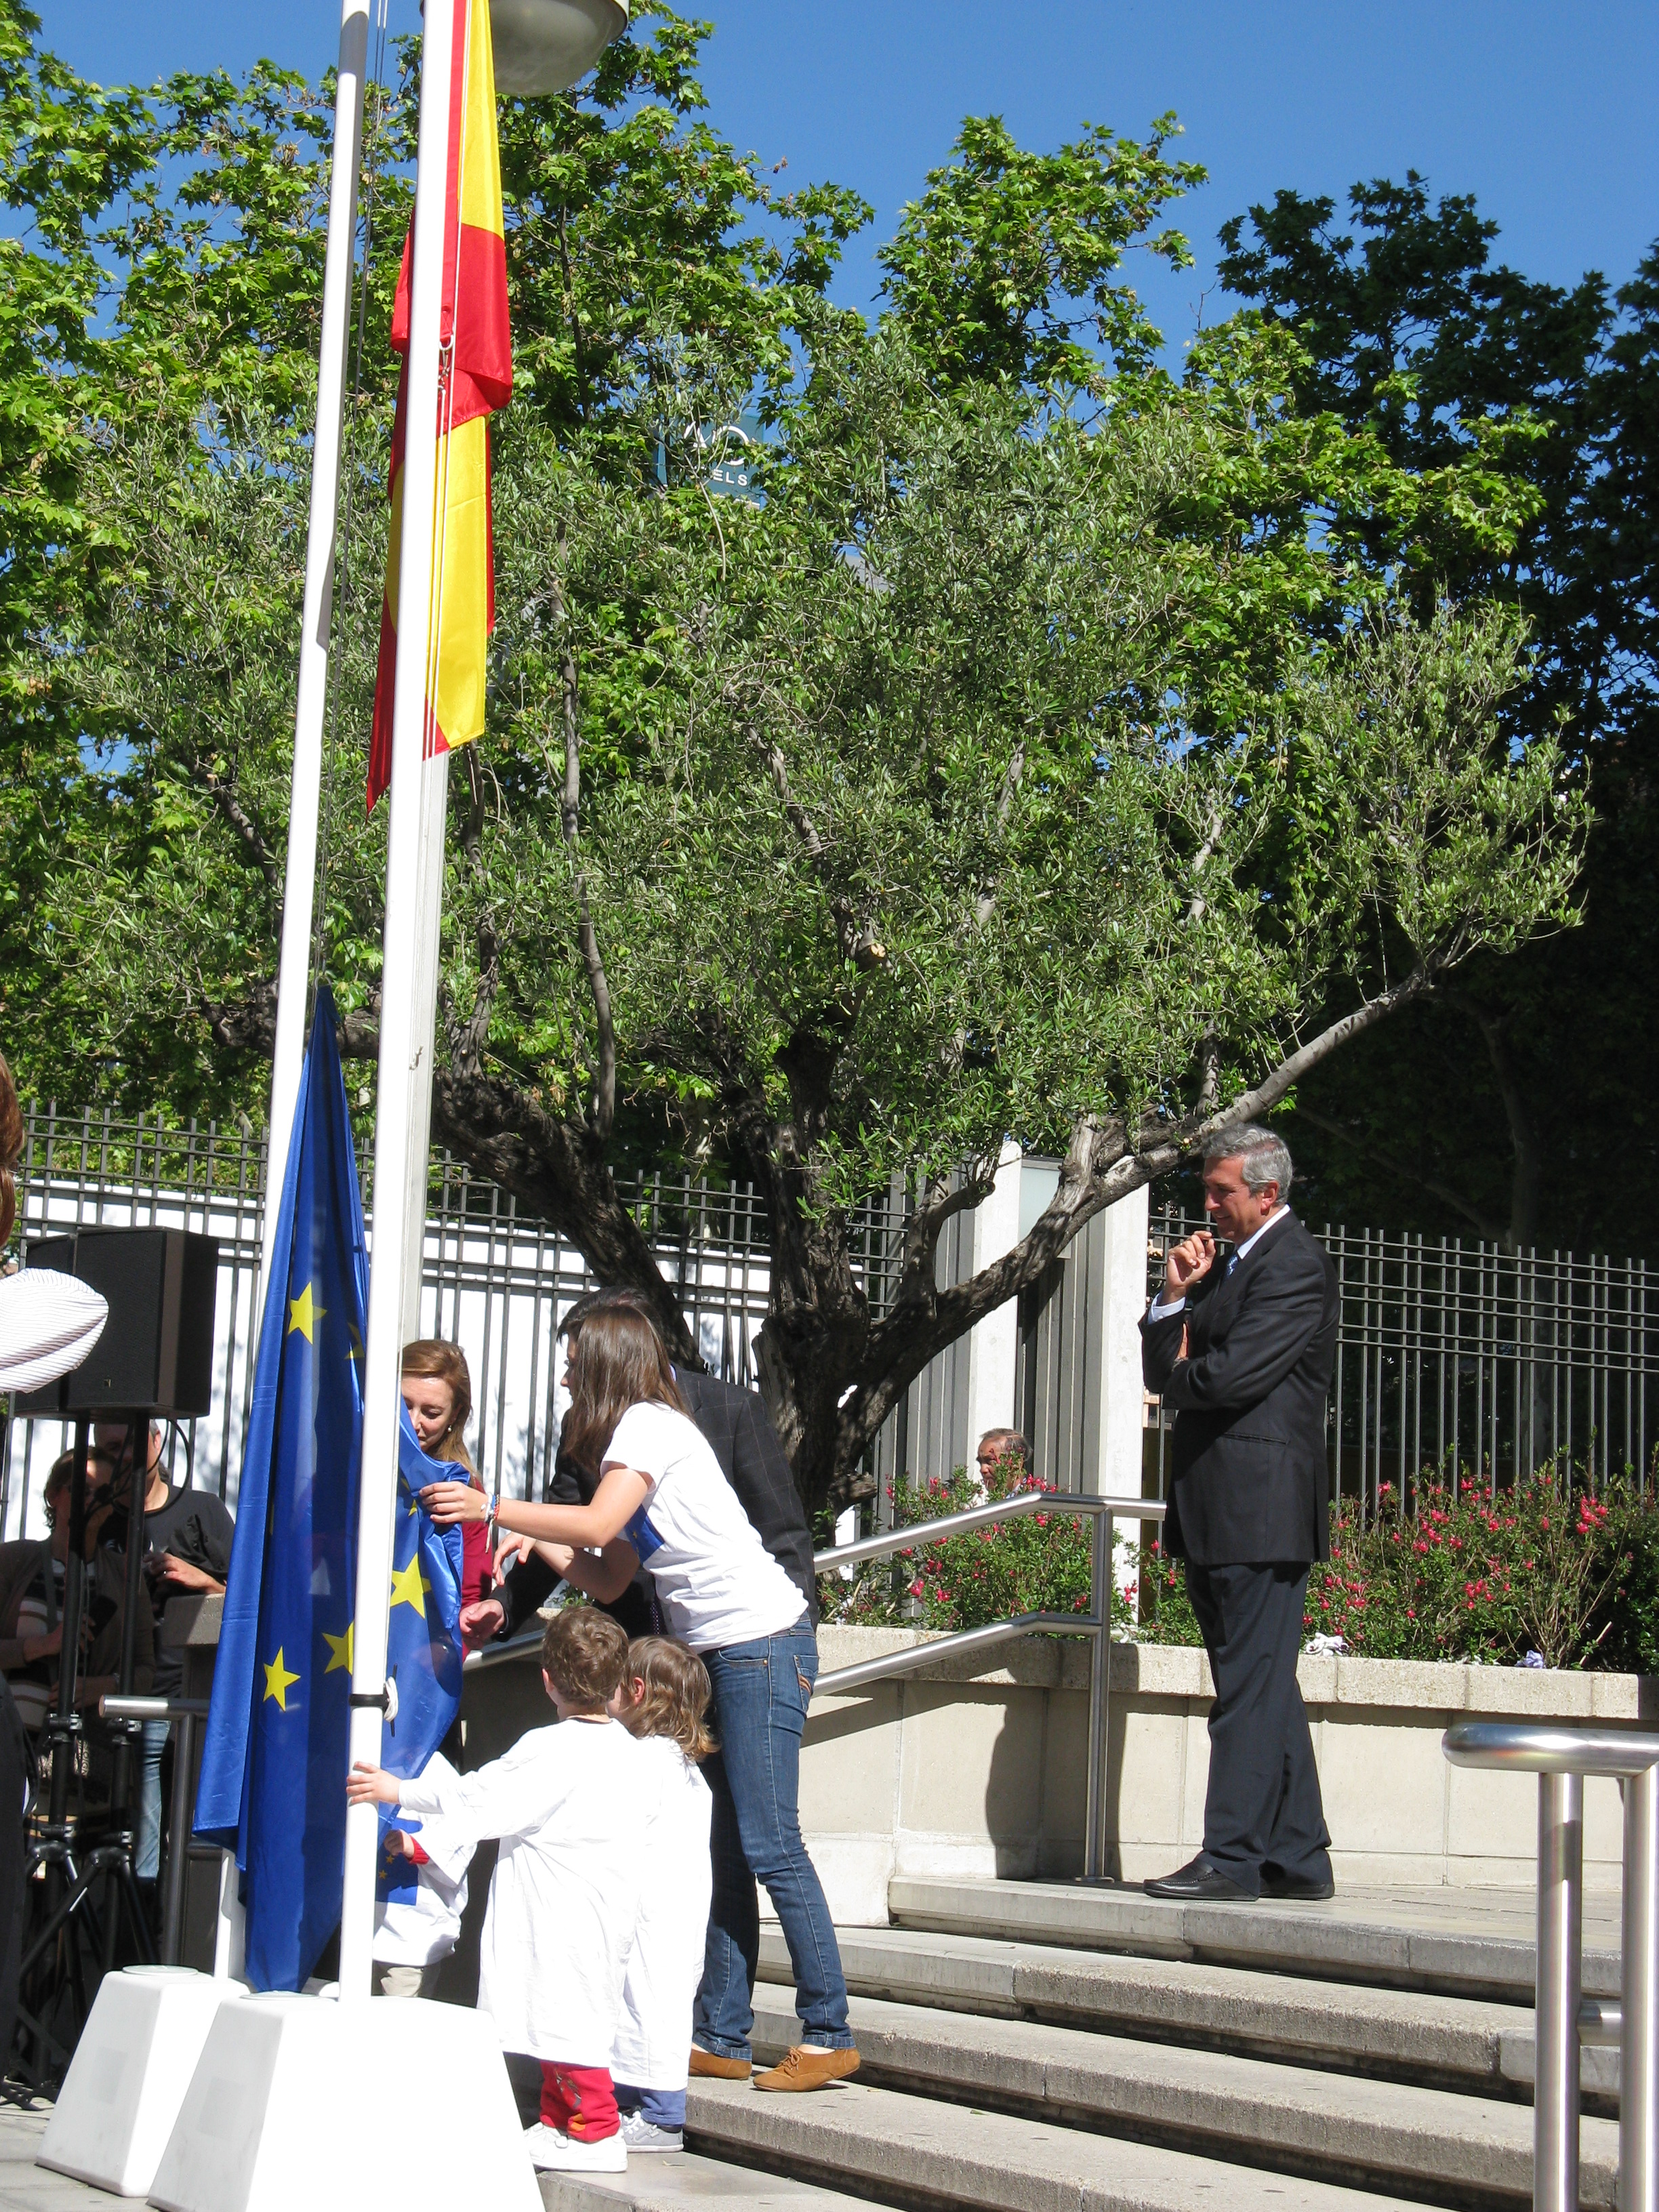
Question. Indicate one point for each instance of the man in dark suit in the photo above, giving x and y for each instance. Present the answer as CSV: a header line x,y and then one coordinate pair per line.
x,y
734,1424
1242,1352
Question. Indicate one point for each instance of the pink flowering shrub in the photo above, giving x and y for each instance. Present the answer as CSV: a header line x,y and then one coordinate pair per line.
x,y
1544,1565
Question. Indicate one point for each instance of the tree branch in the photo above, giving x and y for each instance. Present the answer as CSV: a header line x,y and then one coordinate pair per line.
x,y
467,1047
603,1112
1099,1167
848,933
221,790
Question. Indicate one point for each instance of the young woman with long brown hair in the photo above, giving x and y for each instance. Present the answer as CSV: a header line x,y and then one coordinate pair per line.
x,y
663,1502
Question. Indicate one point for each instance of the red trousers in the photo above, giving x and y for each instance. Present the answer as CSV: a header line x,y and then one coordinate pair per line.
x,y
579,2101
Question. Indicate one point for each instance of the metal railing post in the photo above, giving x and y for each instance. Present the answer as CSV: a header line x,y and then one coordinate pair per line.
x,y
1100,1696
172,1908
1560,1921
1638,2056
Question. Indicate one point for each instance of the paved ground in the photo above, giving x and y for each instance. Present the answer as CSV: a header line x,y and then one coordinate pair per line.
x,y
25,2186
1507,1914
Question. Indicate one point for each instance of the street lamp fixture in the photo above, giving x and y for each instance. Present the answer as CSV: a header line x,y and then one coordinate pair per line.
x,y
542,45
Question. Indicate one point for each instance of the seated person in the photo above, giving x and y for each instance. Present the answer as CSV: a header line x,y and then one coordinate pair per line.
x,y
32,1575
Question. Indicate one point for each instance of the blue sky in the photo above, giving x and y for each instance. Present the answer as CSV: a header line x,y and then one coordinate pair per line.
x,y
1545,111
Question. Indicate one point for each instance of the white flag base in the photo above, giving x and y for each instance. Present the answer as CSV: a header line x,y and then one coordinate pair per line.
x,y
129,2075
303,2101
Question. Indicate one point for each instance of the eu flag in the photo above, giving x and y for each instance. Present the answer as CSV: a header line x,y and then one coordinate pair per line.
x,y
423,1634
274,1760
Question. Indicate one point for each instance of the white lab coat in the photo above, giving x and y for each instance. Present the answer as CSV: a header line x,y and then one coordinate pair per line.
x,y
653,2036
571,1804
419,1927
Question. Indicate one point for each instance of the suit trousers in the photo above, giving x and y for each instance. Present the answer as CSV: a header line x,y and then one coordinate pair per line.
x,y
1262,1811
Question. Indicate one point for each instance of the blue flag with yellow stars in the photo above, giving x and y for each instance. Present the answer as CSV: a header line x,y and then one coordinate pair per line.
x,y
424,1646
275,1755
424,1635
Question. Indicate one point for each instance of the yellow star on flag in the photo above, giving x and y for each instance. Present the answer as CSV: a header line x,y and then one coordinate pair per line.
x,y
304,1316
279,1681
407,1585
339,1649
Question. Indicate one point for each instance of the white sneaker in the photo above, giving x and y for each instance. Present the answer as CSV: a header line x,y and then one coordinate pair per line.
x,y
639,2134
553,2153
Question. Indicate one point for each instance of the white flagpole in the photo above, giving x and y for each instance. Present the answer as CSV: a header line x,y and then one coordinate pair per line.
x,y
405,1042
299,881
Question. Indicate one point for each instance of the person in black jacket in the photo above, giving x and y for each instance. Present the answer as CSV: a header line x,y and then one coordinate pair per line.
x,y
742,1438
1242,1352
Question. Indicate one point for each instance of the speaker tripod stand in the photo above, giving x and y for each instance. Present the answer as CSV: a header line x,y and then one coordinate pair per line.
x,y
91,1913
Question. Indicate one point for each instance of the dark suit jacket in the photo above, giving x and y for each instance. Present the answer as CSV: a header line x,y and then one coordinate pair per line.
x,y
736,1426
1251,1469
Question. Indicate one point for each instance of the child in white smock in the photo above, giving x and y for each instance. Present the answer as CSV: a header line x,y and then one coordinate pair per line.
x,y
663,1703
572,1805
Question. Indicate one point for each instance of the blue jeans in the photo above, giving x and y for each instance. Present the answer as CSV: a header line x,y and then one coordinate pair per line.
x,y
148,1851
761,1691
662,2108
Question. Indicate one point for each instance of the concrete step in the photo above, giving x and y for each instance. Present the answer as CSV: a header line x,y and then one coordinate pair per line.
x,y
916,2151
1415,2035
664,2182
1443,1940
1346,2130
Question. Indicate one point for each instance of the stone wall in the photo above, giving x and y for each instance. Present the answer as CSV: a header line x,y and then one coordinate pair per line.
x,y
982,1771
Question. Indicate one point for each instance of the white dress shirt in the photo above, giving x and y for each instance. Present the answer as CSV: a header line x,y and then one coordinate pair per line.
x,y
1161,1309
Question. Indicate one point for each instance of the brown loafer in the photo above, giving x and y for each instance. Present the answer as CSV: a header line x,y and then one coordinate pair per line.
x,y
804,2068
713,2067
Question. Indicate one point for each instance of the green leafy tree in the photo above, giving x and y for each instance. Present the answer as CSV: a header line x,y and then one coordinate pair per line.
x,y
1050,754
1489,1108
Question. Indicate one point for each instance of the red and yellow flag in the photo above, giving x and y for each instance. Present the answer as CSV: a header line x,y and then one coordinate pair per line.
x,y
475,378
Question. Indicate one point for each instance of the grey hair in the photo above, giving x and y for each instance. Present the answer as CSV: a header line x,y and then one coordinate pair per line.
x,y
1264,1157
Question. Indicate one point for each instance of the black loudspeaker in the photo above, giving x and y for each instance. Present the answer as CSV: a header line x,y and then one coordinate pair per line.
x,y
156,1355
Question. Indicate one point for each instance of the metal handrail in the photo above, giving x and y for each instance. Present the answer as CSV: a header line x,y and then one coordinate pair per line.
x,y
1564,2023
1095,1624
186,1712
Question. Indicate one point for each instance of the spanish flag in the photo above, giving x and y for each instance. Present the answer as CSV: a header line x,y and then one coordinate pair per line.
x,y
475,378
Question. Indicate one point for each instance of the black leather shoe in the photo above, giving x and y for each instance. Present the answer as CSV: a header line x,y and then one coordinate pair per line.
x,y
1297,1886
1201,1881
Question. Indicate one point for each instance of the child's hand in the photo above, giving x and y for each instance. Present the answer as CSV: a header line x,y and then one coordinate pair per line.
x,y
371,1785
400,1844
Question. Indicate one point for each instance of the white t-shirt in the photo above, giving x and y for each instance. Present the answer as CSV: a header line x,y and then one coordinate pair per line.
x,y
717,1582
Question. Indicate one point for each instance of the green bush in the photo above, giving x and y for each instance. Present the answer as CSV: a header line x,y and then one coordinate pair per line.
x,y
1039,1563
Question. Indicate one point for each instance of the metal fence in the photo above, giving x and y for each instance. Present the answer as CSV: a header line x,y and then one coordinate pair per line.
x,y
1472,1363
493,1280
1480,1363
